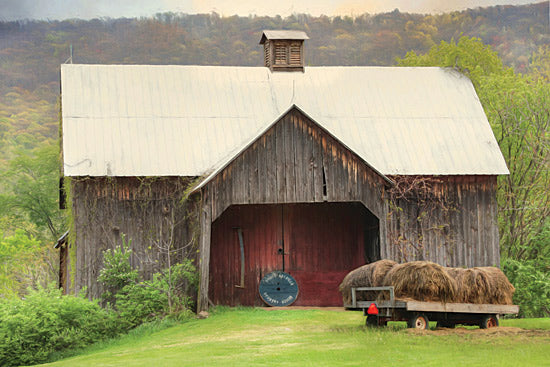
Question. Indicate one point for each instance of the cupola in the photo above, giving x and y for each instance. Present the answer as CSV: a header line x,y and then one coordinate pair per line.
x,y
283,50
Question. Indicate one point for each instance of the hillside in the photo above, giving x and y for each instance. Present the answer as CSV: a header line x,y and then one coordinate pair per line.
x,y
31,51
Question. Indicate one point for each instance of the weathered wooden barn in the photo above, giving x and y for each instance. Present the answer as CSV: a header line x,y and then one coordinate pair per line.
x,y
310,170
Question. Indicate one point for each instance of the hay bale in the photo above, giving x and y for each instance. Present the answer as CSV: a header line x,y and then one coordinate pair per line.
x,y
454,272
370,275
421,280
501,291
472,285
482,285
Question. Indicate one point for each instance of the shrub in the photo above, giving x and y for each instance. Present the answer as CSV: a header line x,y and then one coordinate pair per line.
x,y
117,271
165,295
45,322
532,282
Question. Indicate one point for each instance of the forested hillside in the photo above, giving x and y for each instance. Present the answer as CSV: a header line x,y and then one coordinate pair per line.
x,y
31,53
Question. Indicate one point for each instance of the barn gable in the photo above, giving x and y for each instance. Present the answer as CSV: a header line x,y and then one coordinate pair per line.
x,y
295,160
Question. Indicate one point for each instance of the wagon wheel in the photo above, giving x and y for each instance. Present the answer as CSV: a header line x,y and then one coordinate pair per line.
x,y
419,321
488,321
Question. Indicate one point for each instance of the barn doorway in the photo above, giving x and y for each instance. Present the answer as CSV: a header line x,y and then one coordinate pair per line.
x,y
317,243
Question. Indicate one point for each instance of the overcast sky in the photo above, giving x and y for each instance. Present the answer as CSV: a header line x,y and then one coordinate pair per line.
x,y
87,9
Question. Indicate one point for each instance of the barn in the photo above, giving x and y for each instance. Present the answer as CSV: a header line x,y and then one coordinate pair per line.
x,y
310,170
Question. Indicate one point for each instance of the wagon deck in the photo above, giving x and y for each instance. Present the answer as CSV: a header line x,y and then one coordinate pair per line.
x,y
418,313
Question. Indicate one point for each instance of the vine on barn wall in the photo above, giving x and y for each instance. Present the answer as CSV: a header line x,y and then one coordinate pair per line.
x,y
71,239
420,207
156,213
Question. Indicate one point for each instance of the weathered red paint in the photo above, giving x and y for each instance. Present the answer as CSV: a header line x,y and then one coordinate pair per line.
x,y
322,243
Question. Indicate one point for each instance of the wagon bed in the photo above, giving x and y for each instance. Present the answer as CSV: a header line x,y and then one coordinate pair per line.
x,y
418,313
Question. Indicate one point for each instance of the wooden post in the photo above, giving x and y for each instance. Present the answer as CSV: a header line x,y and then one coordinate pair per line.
x,y
204,262
385,251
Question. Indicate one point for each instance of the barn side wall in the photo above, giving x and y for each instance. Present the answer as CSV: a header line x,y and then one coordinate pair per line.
x,y
148,212
297,162
454,223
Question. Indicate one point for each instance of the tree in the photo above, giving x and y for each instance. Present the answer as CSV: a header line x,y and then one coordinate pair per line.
x,y
29,210
31,192
20,263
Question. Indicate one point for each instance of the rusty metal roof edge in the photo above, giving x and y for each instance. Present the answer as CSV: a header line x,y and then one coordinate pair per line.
x,y
232,157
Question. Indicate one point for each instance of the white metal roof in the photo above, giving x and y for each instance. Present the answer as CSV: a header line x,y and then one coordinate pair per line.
x,y
283,35
133,120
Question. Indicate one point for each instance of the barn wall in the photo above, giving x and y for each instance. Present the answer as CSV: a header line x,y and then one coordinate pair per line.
x,y
456,225
148,212
297,162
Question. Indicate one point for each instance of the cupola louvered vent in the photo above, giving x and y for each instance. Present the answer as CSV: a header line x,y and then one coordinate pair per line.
x,y
284,50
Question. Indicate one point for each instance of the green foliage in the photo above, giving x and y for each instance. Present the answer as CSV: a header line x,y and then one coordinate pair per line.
x,y
540,64
45,322
469,56
518,110
160,297
117,272
167,294
31,191
29,208
532,282
20,260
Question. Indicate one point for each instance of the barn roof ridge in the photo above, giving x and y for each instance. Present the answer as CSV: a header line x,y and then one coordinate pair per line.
x,y
220,166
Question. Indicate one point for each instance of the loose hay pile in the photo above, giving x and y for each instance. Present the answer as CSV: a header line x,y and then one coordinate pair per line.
x,y
421,280
483,285
370,275
430,282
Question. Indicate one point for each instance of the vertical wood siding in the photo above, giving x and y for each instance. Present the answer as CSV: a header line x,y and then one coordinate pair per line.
x,y
141,209
464,235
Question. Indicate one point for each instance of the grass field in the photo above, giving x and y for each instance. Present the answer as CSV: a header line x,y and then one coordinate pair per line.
x,y
257,337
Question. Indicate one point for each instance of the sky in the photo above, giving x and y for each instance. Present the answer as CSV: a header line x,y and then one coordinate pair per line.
x,y
88,9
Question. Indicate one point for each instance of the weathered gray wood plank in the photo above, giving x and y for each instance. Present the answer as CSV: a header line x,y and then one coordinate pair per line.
x,y
204,260
290,164
262,170
299,158
271,166
280,167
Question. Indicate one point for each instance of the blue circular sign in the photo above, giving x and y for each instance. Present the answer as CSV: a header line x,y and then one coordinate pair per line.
x,y
278,289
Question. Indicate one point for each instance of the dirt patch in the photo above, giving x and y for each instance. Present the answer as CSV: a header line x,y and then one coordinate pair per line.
x,y
497,331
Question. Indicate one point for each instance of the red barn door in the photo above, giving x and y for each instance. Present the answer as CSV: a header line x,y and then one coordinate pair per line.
x,y
318,244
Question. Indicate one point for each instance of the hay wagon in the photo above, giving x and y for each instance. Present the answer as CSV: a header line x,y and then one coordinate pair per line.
x,y
418,314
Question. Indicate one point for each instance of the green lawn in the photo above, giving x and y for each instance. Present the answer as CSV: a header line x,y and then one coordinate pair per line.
x,y
257,337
